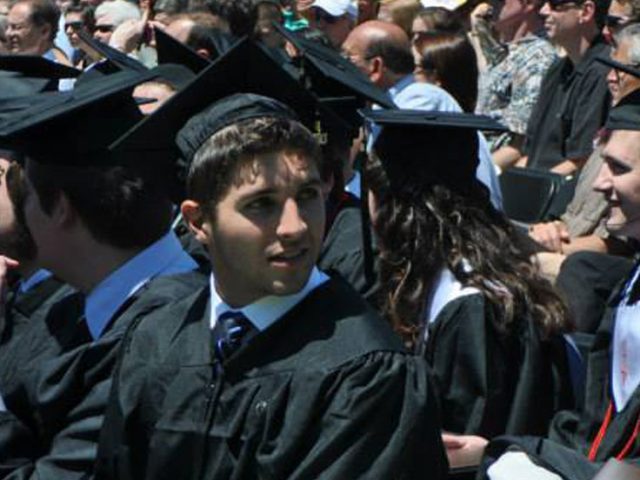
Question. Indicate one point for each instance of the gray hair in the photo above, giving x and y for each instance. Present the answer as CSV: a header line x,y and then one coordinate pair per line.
x,y
631,35
119,11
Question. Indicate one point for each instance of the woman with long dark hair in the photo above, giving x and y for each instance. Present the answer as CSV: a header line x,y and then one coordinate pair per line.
x,y
447,59
458,286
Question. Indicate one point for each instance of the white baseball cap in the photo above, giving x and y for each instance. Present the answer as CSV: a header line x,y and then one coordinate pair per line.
x,y
337,8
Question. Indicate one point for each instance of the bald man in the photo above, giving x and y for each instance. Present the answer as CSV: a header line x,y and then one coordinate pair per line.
x,y
382,51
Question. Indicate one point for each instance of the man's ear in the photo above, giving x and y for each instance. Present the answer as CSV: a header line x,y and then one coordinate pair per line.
x,y
203,52
376,69
196,220
63,213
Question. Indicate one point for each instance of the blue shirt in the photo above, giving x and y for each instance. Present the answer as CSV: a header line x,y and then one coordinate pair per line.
x,y
164,257
264,312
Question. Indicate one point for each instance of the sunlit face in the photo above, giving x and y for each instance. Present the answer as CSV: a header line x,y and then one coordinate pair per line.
x,y
104,28
23,36
354,49
621,83
160,92
72,25
335,28
268,228
561,22
619,16
619,181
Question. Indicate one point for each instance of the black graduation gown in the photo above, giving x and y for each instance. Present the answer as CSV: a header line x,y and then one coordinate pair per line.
x,y
491,383
52,426
342,253
31,334
566,447
326,392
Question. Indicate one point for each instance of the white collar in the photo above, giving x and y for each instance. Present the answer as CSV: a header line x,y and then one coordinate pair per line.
x,y
264,312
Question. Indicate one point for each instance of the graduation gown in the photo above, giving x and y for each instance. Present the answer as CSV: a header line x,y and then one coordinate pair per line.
x,y
342,253
55,411
566,447
489,382
326,392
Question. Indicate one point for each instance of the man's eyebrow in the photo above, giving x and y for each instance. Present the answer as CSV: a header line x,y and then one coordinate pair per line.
x,y
616,162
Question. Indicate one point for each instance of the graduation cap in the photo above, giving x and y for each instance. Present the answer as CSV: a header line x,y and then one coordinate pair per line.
x,y
115,57
630,69
178,76
245,68
76,127
171,50
35,66
419,147
331,75
626,114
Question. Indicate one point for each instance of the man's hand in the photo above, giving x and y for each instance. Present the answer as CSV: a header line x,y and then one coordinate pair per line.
x,y
464,450
551,235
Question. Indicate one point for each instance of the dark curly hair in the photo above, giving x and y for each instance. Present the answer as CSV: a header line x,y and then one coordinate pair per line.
x,y
424,228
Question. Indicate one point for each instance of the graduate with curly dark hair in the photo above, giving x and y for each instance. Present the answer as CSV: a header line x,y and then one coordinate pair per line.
x,y
457,285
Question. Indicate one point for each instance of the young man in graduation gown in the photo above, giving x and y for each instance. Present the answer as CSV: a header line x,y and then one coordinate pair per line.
x,y
578,443
274,370
101,222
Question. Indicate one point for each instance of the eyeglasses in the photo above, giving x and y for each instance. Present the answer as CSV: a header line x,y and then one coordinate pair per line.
x,y
75,26
104,28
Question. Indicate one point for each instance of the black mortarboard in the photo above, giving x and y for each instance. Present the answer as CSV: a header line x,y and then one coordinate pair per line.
x,y
35,66
225,112
331,75
171,50
245,68
76,127
631,70
625,115
114,56
420,147
178,76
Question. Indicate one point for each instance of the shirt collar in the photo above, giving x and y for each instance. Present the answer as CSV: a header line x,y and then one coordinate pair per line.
x,y
401,85
264,312
38,277
164,257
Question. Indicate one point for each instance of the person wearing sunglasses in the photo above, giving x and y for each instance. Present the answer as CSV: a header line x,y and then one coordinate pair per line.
x,y
565,120
110,15
621,13
334,18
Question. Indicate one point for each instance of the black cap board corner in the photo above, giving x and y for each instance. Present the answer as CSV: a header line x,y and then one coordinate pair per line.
x,y
625,115
630,69
35,66
429,146
114,56
75,127
171,50
331,75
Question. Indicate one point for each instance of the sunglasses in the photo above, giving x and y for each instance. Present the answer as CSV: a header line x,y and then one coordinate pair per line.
x,y
614,21
75,26
104,28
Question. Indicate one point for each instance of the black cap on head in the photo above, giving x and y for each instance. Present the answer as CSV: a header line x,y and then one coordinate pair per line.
x,y
178,76
626,114
76,127
230,110
605,59
171,50
419,147
331,75
246,68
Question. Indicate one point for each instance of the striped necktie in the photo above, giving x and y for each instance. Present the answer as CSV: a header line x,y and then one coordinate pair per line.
x,y
232,330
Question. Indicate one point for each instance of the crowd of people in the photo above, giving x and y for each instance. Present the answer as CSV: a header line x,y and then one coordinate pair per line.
x,y
246,239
